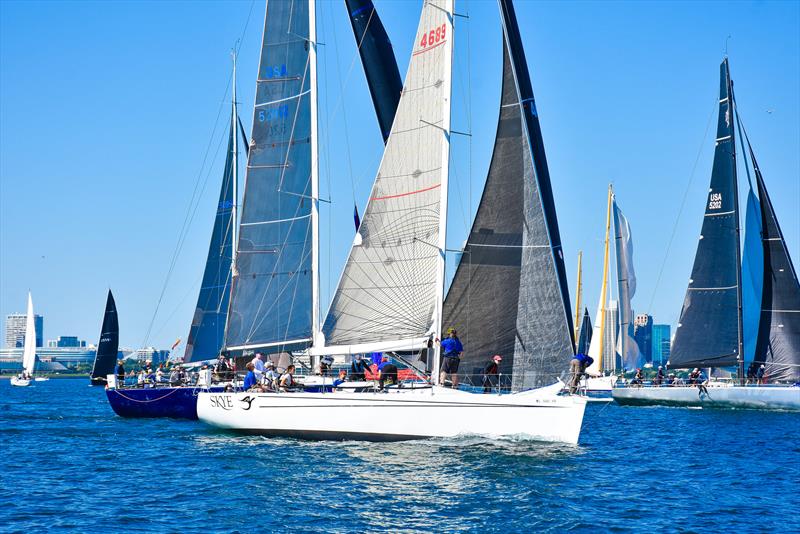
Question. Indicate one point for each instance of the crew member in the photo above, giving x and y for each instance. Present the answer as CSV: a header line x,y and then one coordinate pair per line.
x,y
452,349
577,367
491,373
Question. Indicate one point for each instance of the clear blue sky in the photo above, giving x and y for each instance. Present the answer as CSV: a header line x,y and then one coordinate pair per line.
x,y
106,110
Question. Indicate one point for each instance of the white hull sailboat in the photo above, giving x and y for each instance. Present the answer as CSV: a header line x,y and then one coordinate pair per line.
x,y
397,414
20,382
753,397
29,351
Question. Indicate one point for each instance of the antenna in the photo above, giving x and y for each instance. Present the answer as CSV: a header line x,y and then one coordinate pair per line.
x,y
726,44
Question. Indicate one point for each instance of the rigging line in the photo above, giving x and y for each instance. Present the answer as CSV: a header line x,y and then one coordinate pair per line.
x,y
683,204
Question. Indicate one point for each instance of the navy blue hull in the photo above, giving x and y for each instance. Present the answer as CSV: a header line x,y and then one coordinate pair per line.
x,y
175,402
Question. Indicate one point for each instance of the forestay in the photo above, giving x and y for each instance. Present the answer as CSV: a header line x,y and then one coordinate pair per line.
x,y
708,328
390,292
274,286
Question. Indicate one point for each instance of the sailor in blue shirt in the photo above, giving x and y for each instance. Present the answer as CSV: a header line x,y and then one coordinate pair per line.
x,y
451,357
577,366
250,379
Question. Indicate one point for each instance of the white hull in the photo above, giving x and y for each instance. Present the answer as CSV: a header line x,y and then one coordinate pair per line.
x,y
764,397
41,379
398,414
20,382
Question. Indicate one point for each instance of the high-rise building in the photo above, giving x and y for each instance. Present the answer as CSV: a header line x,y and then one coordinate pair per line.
x,y
611,358
643,334
65,342
15,329
661,344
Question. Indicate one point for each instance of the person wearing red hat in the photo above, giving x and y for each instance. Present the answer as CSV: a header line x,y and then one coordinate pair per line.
x,y
491,373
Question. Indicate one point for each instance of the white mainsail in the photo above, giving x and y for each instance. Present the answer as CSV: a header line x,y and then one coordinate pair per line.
x,y
626,280
390,293
29,352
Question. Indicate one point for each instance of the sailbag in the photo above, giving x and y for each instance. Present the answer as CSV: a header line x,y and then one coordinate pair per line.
x,y
377,58
708,332
390,292
108,346
626,284
275,290
509,295
207,331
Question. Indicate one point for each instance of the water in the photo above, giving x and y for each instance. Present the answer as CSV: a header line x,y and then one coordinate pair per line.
x,y
70,464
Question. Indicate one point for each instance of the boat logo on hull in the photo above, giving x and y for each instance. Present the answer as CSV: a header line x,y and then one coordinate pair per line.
x,y
247,400
222,401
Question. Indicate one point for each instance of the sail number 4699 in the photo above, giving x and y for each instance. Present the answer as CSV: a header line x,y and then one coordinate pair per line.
x,y
434,36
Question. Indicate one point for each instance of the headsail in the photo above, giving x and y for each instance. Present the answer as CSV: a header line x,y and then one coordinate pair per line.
x,y
29,350
107,347
778,344
207,331
509,294
626,284
274,294
377,58
708,333
390,292
585,334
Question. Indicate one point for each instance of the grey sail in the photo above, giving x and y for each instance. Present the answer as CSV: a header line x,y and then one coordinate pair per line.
x,y
708,333
626,286
273,283
778,341
207,332
585,334
509,294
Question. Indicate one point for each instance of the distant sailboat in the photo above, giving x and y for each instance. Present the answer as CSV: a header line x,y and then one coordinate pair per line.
x,y
29,350
710,331
108,346
390,295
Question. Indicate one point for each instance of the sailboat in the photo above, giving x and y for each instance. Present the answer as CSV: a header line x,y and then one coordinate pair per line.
x,y
29,350
390,296
209,320
711,331
619,333
108,346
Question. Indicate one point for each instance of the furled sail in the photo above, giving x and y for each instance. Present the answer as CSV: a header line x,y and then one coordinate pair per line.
x,y
509,294
29,348
207,331
626,284
708,333
585,334
778,343
274,292
107,347
378,60
390,292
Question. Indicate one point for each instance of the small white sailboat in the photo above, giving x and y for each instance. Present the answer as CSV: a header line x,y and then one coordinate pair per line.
x,y
29,352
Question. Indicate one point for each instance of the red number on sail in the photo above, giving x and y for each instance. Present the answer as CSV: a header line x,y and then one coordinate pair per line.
x,y
433,36
424,42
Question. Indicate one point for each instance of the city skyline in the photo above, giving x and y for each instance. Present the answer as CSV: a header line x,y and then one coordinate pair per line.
x,y
610,111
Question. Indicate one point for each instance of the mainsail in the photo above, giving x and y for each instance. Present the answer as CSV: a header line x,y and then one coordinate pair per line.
x,y
778,343
709,328
29,350
207,331
390,292
509,295
626,284
107,347
377,58
275,292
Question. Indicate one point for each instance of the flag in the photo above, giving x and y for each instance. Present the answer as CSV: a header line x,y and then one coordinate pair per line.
x,y
177,342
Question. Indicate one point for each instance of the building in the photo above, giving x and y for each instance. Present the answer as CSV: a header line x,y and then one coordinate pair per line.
x,y
65,342
643,334
612,360
53,359
661,344
15,330
150,354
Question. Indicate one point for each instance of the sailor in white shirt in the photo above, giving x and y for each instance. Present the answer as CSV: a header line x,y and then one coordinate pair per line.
x,y
258,364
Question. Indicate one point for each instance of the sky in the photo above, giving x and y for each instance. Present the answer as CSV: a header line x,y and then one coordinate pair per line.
x,y
113,113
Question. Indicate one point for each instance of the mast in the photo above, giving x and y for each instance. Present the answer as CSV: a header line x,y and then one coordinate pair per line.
x,y
604,287
578,298
234,206
312,60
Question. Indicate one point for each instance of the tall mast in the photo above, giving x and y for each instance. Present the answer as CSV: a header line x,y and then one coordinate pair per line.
x,y
234,207
604,287
740,341
312,60
578,298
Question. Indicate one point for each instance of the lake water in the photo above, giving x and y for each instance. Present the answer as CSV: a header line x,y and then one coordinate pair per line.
x,y
70,464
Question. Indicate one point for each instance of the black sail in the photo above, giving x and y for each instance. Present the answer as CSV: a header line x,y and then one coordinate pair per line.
x,y
377,58
778,341
708,329
585,334
207,331
108,346
509,295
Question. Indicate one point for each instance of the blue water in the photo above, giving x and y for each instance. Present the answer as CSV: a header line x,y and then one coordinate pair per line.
x,y
70,464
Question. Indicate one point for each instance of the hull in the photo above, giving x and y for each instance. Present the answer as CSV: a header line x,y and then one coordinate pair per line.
x,y
41,379
20,382
396,415
174,402
763,398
